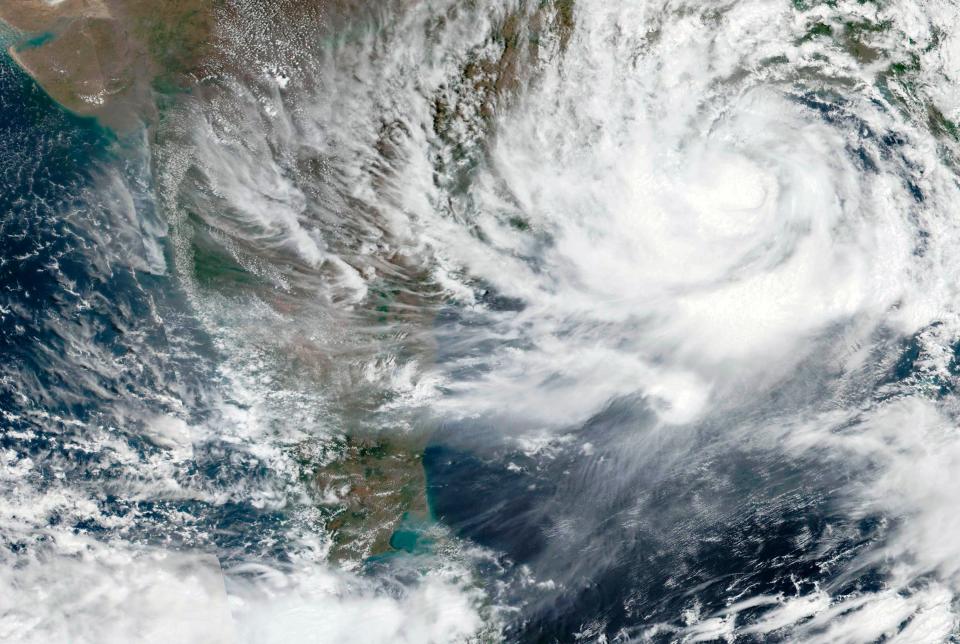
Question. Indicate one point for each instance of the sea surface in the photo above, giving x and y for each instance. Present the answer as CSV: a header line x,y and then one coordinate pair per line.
x,y
563,321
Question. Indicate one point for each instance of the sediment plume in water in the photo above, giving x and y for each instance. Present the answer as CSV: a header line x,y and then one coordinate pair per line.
x,y
478,322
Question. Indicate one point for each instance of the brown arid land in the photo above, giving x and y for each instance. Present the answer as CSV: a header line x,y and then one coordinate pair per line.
x,y
115,59
103,58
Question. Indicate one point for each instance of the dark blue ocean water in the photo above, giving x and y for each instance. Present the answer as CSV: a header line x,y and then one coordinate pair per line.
x,y
94,343
622,524
630,532
630,538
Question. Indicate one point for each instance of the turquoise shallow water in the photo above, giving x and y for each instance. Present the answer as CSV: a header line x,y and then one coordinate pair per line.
x,y
97,341
35,41
665,294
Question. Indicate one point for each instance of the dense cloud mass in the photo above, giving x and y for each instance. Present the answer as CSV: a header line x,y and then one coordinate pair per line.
x,y
577,320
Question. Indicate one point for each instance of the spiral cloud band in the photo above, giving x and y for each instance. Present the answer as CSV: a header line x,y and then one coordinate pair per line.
x,y
592,320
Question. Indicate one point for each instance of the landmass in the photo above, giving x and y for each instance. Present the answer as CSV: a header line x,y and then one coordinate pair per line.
x,y
114,59
103,58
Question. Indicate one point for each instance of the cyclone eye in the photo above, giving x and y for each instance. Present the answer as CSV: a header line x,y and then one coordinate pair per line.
x,y
539,321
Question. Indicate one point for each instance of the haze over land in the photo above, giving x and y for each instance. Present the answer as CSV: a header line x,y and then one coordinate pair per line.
x,y
572,320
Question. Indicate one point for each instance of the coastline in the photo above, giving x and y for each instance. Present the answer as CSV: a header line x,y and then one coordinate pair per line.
x,y
102,58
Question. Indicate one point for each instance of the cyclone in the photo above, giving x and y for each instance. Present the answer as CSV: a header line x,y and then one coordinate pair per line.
x,y
562,321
